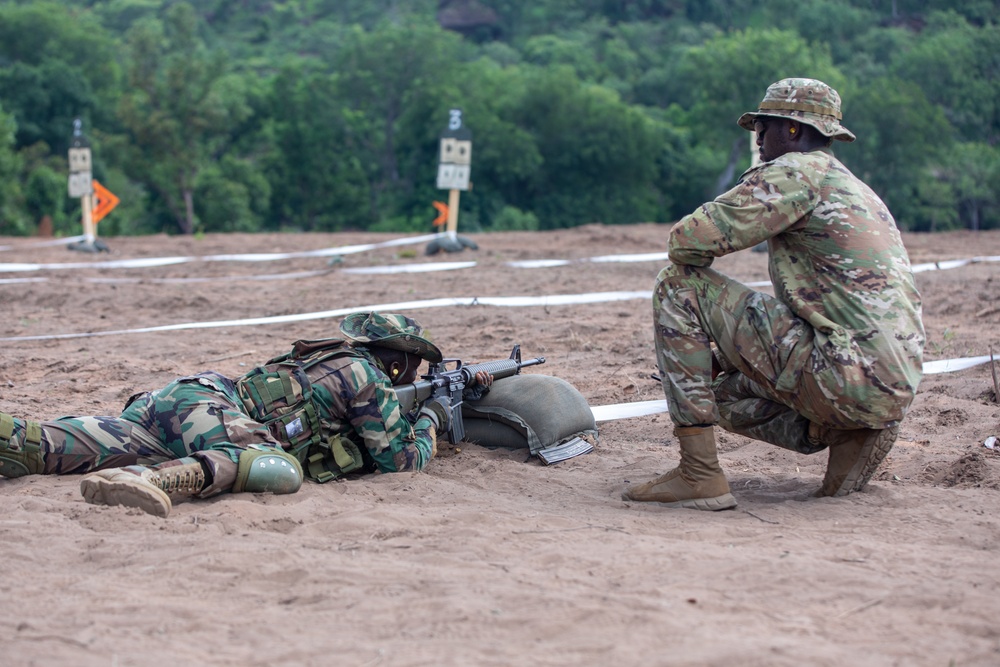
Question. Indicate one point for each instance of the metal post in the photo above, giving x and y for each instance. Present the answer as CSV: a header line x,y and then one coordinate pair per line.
x,y
453,195
89,232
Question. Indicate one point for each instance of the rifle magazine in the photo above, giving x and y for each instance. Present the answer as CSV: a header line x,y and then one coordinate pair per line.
x,y
567,450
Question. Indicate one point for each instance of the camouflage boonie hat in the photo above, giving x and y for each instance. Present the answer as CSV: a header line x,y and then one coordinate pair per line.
x,y
396,332
806,100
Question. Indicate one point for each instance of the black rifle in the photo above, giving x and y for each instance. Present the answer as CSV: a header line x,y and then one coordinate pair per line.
x,y
442,382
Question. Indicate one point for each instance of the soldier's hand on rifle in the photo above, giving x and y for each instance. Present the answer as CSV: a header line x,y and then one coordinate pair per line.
x,y
438,410
478,386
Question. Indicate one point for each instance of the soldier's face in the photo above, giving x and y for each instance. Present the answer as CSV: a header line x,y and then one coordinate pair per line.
x,y
771,138
408,372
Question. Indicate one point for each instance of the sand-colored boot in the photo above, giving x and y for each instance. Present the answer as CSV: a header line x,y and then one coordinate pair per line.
x,y
697,483
854,456
150,489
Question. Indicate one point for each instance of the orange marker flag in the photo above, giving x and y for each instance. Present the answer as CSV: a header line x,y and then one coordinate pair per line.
x,y
104,201
442,213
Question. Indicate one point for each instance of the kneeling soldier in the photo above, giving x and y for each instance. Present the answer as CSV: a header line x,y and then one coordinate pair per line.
x,y
834,358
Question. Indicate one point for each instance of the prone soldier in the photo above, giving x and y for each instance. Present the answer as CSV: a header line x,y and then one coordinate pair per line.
x,y
325,409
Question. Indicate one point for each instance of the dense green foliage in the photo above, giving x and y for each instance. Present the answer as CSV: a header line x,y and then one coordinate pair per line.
x,y
229,115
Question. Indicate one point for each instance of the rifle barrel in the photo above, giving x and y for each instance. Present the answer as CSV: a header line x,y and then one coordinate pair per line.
x,y
501,368
410,395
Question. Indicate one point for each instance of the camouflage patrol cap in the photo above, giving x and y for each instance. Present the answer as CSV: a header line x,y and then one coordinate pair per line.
x,y
806,100
396,332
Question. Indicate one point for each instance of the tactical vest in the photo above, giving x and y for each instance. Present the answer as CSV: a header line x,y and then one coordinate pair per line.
x,y
279,395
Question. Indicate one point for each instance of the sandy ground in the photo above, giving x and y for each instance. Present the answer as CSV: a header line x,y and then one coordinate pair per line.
x,y
487,558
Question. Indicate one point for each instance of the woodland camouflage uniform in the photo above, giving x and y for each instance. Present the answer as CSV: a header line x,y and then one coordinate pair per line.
x,y
207,417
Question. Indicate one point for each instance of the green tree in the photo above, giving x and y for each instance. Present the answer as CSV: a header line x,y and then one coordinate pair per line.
x,y
318,182
596,163
178,108
45,189
553,50
12,219
58,64
728,75
395,85
958,67
973,169
901,138
505,156
846,30
521,19
935,203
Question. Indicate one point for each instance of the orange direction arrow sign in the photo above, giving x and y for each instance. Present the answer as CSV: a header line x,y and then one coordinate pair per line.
x,y
439,205
104,202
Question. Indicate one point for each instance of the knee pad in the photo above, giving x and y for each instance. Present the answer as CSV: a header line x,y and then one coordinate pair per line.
x,y
271,470
24,458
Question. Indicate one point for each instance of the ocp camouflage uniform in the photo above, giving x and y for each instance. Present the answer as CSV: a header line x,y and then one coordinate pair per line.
x,y
203,416
840,343
832,361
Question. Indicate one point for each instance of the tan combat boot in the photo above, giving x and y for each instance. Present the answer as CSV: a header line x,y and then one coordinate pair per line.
x,y
854,456
149,489
697,483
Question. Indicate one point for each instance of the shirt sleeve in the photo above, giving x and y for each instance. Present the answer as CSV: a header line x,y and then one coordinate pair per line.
x,y
768,200
376,416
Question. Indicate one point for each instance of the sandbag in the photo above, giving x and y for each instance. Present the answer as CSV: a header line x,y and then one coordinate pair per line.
x,y
531,412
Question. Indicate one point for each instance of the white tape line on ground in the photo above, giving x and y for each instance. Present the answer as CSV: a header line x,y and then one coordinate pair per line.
x,y
407,268
509,301
42,244
642,257
249,257
142,263
389,269
174,281
952,263
538,263
17,281
643,408
385,269
664,257
952,365
604,413
410,268
602,259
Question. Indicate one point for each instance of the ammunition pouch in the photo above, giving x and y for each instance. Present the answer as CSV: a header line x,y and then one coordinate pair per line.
x,y
26,458
279,396
334,458
262,470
